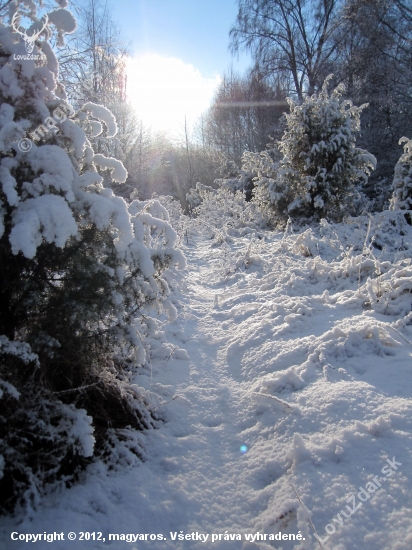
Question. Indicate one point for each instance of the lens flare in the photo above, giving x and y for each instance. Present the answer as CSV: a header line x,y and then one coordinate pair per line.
x,y
243,449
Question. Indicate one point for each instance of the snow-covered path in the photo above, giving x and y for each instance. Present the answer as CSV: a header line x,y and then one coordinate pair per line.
x,y
209,469
318,394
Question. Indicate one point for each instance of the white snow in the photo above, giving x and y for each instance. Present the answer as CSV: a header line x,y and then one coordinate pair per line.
x,y
46,217
293,395
104,115
19,349
64,22
119,172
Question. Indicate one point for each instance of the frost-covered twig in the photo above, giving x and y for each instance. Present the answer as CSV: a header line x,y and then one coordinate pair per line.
x,y
171,353
363,252
247,255
309,518
78,389
275,398
167,402
288,224
397,331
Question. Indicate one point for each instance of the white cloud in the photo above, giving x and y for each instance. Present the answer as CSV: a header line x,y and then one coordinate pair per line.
x,y
165,90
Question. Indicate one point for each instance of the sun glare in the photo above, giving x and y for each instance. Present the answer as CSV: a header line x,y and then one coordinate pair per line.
x,y
164,91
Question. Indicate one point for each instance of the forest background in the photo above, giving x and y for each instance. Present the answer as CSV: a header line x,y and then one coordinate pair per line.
x,y
294,47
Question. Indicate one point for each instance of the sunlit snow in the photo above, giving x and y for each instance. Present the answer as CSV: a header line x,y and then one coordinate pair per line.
x,y
293,396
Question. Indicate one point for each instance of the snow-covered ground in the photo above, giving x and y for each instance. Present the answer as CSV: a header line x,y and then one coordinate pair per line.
x,y
292,413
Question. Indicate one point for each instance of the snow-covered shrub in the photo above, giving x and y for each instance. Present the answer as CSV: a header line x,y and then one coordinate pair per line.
x,y
235,179
180,222
223,215
372,253
81,270
196,195
43,440
223,209
264,165
321,168
402,181
173,207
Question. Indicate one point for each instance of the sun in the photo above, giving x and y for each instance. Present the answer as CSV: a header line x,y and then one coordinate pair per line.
x,y
165,90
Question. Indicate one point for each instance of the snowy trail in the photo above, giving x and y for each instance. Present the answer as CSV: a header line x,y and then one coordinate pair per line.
x,y
305,380
211,464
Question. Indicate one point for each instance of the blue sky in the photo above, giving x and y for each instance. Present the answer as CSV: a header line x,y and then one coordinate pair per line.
x,y
195,31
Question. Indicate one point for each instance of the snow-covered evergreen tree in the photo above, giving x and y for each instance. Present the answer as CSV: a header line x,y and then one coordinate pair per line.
x,y
321,167
80,271
402,181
